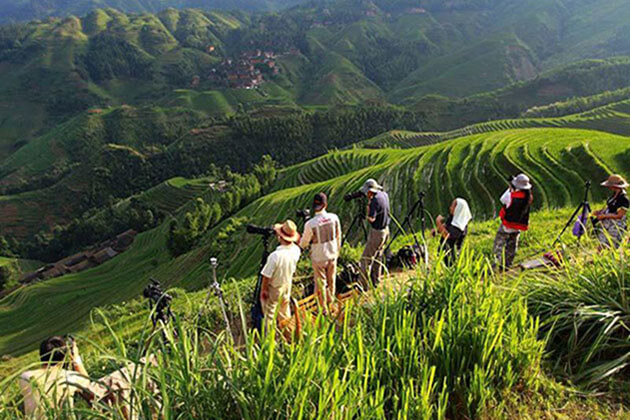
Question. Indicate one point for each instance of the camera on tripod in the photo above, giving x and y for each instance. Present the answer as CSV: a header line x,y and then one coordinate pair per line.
x,y
260,230
353,196
303,214
154,293
159,300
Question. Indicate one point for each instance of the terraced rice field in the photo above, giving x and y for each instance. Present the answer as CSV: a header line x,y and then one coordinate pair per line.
x,y
170,195
474,167
613,118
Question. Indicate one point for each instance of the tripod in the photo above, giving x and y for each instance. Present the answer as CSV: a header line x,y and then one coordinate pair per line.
x,y
215,288
417,206
256,311
160,307
358,219
584,206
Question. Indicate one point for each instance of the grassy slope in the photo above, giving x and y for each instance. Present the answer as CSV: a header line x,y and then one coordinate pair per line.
x,y
516,40
26,10
46,67
559,160
613,118
482,67
129,320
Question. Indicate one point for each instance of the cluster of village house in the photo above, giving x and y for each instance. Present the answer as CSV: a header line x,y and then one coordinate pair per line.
x,y
98,255
245,72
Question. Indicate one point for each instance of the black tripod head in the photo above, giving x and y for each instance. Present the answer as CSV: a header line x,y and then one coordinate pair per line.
x,y
159,302
587,189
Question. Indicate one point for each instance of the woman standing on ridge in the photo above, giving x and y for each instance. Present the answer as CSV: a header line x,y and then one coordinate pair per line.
x,y
517,203
611,220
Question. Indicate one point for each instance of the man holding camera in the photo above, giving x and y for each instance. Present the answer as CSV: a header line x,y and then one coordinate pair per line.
x,y
277,274
61,376
378,216
323,234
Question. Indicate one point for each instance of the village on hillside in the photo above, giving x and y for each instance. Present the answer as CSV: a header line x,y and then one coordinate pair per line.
x,y
97,255
248,71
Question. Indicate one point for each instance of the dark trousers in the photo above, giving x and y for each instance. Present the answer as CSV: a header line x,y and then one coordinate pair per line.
x,y
505,247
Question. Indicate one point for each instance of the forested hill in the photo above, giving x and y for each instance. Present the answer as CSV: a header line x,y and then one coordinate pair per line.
x,y
324,53
23,10
96,107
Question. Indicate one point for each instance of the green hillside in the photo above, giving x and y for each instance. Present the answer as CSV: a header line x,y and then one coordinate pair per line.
x,y
113,333
360,51
21,10
613,118
475,167
95,159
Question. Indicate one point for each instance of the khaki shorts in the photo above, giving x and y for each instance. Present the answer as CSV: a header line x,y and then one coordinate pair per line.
x,y
325,274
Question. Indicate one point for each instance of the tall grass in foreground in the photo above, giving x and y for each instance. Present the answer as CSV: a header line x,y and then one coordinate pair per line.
x,y
585,310
448,346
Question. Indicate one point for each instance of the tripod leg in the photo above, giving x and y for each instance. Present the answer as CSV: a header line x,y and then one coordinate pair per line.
x,y
225,317
575,213
205,304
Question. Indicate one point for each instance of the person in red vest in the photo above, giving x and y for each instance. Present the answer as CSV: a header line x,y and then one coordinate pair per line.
x,y
517,203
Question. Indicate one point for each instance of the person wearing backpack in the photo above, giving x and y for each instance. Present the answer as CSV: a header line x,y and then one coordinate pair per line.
x,y
516,206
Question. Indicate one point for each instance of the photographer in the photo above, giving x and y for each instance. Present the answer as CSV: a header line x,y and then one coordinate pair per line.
x,y
379,217
61,376
610,221
323,234
453,230
517,202
277,274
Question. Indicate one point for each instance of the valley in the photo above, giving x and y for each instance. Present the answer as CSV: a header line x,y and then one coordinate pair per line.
x,y
139,139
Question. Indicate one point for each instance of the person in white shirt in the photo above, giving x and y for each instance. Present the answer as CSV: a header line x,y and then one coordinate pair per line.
x,y
323,234
53,387
277,274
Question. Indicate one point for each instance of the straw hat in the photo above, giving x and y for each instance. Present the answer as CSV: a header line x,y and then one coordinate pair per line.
x,y
371,186
615,181
287,231
521,182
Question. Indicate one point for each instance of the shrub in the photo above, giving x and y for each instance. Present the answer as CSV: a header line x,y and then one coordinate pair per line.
x,y
585,310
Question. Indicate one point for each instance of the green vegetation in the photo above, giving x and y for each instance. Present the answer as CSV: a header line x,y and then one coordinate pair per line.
x,y
456,342
580,79
577,105
101,158
12,268
327,54
474,167
613,118
113,121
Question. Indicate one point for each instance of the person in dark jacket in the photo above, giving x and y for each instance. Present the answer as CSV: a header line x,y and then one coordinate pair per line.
x,y
453,229
379,218
517,202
